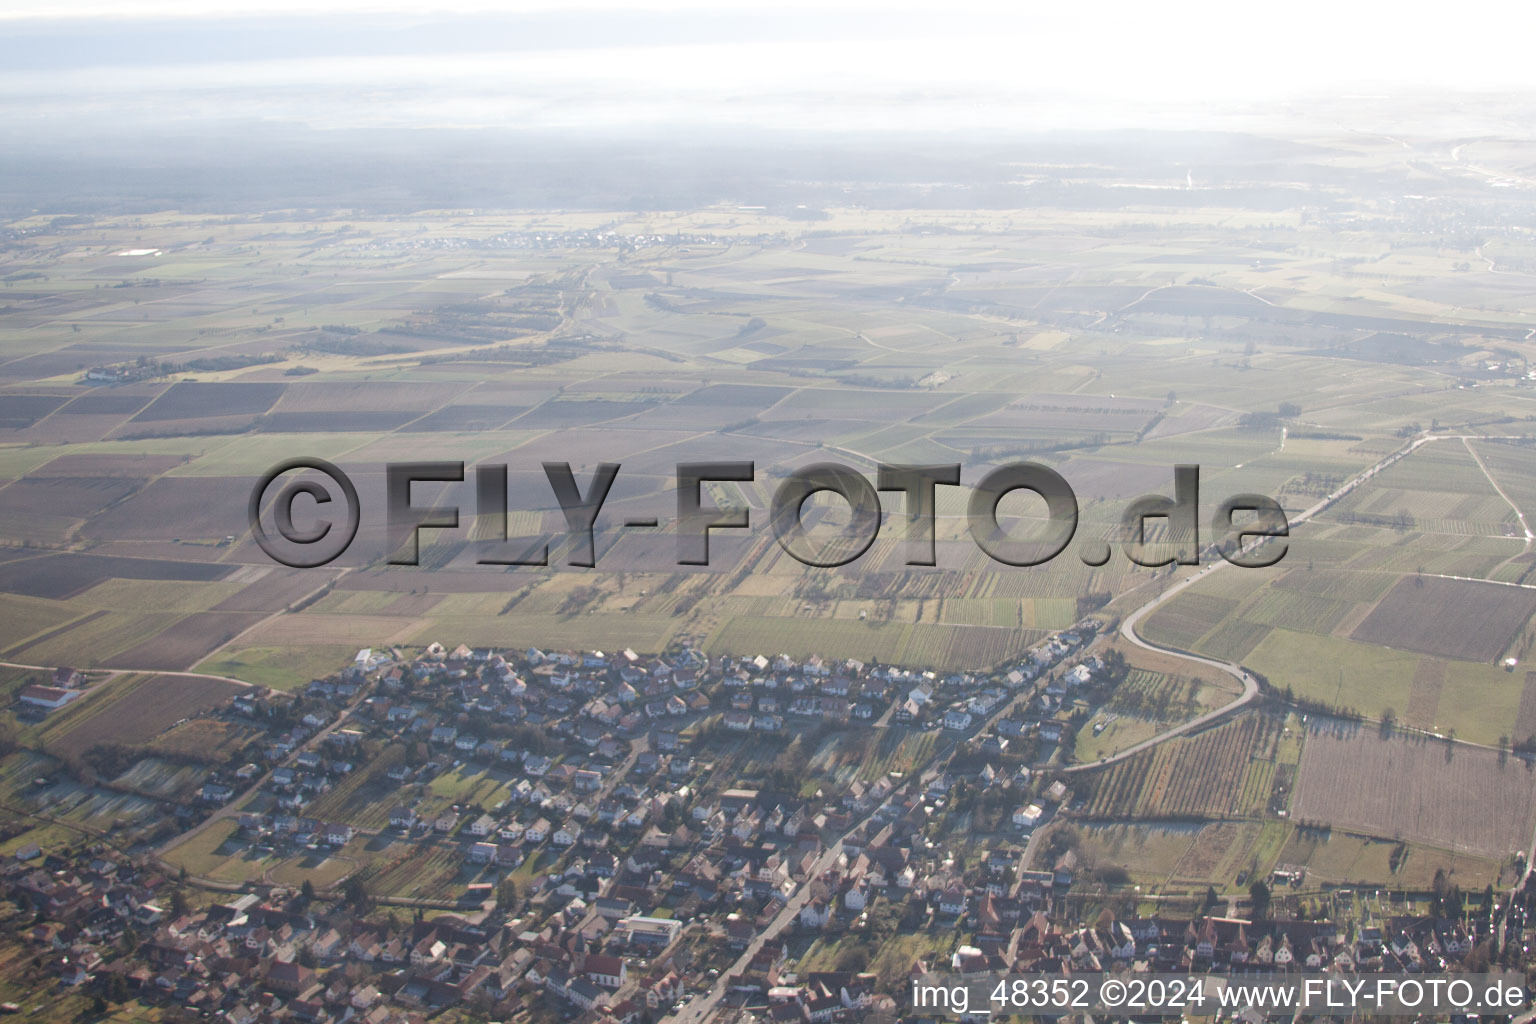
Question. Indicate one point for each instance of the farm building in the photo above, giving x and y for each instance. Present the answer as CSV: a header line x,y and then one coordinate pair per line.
x,y
49,697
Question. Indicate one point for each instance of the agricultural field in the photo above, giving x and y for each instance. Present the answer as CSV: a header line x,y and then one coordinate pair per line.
x,y
1367,617
1471,701
1146,853
163,780
1464,800
1217,772
1448,618
364,798
1525,717
956,647
42,803
1220,853
131,711
278,668
217,855
1181,623
867,754
1334,857
211,739
421,871
1182,857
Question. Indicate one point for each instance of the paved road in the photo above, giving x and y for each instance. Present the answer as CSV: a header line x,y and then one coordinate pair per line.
x,y
189,674
1250,685
1128,630
232,807
702,1005
132,671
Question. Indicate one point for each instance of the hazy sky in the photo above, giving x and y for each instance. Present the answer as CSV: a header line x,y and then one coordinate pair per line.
x,y
827,64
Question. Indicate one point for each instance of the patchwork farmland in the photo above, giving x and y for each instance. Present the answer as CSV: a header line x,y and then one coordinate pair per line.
x,y
652,338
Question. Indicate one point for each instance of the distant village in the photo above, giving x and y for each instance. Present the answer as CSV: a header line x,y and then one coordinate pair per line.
x,y
622,876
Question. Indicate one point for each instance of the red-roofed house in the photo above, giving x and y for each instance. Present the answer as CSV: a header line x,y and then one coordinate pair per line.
x,y
50,697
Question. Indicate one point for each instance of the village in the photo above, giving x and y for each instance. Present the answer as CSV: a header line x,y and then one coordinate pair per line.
x,y
623,878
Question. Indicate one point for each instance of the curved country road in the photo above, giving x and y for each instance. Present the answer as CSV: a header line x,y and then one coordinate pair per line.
x,y
1128,630
1250,684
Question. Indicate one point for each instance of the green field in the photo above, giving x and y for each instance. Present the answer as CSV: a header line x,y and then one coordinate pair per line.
x,y
278,668
1478,702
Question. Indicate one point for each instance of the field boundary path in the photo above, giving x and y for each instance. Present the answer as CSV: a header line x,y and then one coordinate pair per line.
x,y
1250,684
1525,527
188,673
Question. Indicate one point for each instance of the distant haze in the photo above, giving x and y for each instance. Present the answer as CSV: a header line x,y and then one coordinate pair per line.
x,y
155,105
840,66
